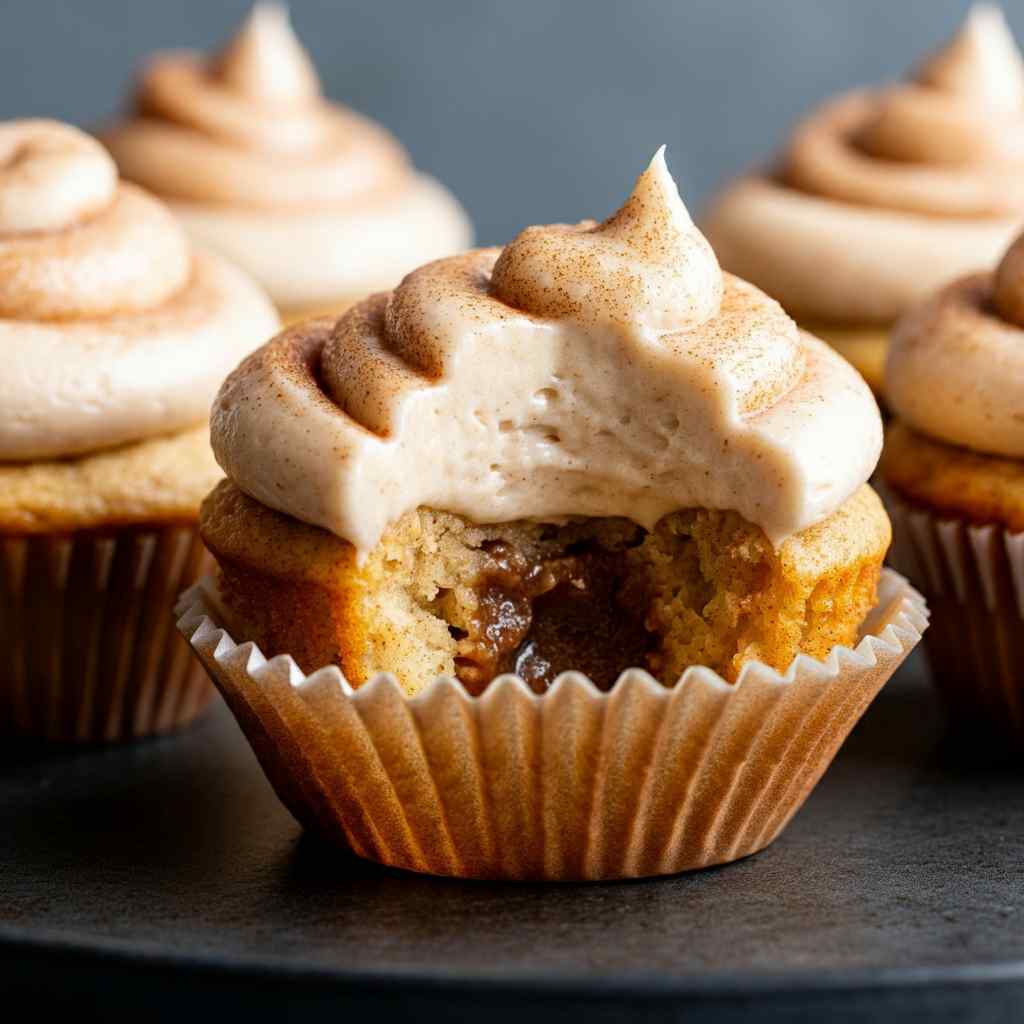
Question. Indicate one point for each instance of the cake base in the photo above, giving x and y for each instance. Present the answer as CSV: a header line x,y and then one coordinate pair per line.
x,y
440,595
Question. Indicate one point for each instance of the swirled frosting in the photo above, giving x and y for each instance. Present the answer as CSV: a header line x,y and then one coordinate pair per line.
x,y
598,369
891,193
111,328
295,189
956,363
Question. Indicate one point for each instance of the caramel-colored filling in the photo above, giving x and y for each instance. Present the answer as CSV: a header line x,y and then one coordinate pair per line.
x,y
539,617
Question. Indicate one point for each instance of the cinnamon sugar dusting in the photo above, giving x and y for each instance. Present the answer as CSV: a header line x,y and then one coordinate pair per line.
x,y
647,266
596,370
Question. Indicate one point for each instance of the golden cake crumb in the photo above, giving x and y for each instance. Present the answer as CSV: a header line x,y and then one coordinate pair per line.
x,y
155,481
953,481
711,589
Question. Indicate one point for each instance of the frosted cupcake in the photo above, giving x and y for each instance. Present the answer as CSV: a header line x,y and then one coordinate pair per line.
x,y
954,465
881,197
114,335
591,452
319,204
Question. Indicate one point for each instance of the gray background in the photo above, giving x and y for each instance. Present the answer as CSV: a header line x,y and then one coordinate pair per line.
x,y
531,111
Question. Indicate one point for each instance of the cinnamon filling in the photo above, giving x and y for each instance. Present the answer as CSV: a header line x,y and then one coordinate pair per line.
x,y
540,617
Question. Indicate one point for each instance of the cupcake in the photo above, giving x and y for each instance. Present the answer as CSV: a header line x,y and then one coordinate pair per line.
x,y
115,335
317,203
598,511
954,469
880,197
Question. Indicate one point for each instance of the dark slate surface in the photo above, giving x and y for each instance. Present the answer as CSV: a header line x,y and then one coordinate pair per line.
x,y
170,869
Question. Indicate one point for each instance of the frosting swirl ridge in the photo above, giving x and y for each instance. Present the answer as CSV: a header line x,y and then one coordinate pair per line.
x,y
72,242
950,142
320,204
954,361
601,370
249,126
111,328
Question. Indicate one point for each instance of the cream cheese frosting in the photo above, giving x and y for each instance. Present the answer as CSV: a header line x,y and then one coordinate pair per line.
x,y
956,364
294,189
881,197
111,328
598,369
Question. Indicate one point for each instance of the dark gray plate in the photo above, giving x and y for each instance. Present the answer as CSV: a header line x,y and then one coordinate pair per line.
x,y
166,877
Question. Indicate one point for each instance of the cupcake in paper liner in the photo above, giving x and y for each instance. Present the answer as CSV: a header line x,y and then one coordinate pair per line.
x,y
575,783
115,334
954,474
590,453
321,205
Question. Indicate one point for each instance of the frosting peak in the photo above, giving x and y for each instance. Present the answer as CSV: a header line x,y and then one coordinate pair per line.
x,y
51,176
981,63
647,265
607,370
265,62
1008,290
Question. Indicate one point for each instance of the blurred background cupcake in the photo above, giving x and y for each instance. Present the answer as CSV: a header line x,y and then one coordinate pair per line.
x,y
954,469
881,196
512,105
318,203
114,334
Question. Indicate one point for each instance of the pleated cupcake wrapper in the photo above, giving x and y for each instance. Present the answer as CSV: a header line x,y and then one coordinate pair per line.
x,y
90,650
572,784
973,577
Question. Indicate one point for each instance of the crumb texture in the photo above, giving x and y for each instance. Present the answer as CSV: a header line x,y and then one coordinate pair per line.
x,y
156,481
954,481
440,595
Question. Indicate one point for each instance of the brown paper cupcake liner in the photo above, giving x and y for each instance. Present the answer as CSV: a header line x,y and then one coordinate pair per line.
x,y
571,784
973,577
90,651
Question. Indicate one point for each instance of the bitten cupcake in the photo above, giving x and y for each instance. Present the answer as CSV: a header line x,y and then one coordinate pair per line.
x,y
114,335
590,454
319,204
881,197
954,466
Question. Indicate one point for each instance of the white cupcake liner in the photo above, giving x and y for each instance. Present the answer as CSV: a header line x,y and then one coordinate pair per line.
x,y
973,577
90,652
571,784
